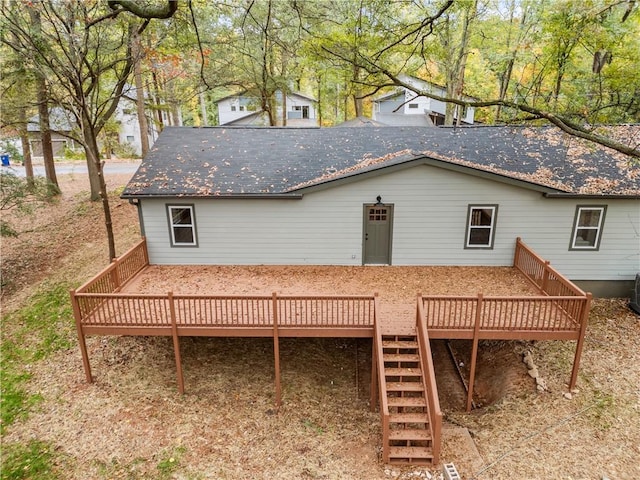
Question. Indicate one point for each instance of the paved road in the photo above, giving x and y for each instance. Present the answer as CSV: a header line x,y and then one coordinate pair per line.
x,y
76,167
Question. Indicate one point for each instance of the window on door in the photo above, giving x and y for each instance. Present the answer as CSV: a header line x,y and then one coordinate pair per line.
x,y
481,220
182,225
377,214
587,227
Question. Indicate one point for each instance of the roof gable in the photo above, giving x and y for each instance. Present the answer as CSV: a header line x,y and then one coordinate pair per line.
x,y
221,161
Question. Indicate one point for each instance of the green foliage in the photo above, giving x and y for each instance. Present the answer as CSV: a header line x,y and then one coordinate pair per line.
x,y
10,148
125,150
73,154
36,460
170,462
29,335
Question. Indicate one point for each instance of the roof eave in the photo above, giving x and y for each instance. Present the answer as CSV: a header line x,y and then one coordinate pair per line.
x,y
245,196
593,196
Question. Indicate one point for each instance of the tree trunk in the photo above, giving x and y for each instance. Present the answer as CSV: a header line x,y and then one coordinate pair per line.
x,y
284,107
95,165
457,73
203,110
45,133
156,88
137,75
319,109
26,146
357,97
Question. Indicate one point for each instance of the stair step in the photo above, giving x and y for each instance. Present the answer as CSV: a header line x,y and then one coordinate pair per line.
x,y
399,344
408,418
406,401
403,372
411,453
405,387
400,357
409,434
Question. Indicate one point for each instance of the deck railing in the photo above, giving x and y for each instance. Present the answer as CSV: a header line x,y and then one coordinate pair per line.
x,y
382,387
431,388
136,310
540,273
119,271
533,313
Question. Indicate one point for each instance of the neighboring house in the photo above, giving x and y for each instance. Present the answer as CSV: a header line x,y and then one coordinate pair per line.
x,y
62,123
403,107
61,126
392,195
129,133
244,109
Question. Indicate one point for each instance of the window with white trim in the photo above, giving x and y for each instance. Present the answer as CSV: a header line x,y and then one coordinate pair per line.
x,y
481,220
182,225
587,227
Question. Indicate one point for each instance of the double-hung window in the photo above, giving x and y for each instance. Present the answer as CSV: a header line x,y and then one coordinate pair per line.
x,y
587,227
481,221
182,225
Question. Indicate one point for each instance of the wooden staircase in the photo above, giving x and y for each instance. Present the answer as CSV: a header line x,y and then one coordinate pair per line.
x,y
408,438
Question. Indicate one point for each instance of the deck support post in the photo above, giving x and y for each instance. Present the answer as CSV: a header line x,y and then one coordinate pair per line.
x,y
276,351
474,353
176,344
373,400
81,338
583,328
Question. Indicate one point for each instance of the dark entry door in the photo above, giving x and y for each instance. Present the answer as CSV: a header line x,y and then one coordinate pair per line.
x,y
378,220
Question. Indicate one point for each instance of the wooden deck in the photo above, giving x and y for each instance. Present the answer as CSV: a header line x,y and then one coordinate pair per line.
x,y
126,298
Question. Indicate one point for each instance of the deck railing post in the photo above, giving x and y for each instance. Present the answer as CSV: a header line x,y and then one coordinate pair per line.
x,y
373,400
516,253
81,338
145,252
474,352
545,277
116,274
176,343
276,351
583,328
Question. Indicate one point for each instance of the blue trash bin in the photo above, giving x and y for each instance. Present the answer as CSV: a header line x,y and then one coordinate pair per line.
x,y
5,159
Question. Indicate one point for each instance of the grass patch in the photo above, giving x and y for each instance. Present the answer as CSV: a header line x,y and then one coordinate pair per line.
x,y
170,462
35,460
30,334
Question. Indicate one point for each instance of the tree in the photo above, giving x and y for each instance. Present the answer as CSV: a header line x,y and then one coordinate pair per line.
x,y
85,48
413,38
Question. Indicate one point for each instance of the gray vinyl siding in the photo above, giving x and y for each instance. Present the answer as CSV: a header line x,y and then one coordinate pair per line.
x,y
429,225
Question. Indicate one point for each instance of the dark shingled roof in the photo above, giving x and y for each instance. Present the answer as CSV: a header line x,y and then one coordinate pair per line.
x,y
223,161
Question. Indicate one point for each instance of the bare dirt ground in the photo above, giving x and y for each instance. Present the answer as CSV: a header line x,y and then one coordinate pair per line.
x,y
132,423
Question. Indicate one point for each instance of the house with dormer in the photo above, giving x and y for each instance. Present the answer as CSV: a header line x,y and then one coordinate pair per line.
x,y
403,107
245,109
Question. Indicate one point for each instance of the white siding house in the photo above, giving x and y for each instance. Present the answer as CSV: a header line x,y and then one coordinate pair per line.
x,y
405,209
402,105
244,109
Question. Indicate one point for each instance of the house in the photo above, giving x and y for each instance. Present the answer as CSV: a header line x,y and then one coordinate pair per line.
x,y
126,115
61,124
403,107
372,197
244,109
391,196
